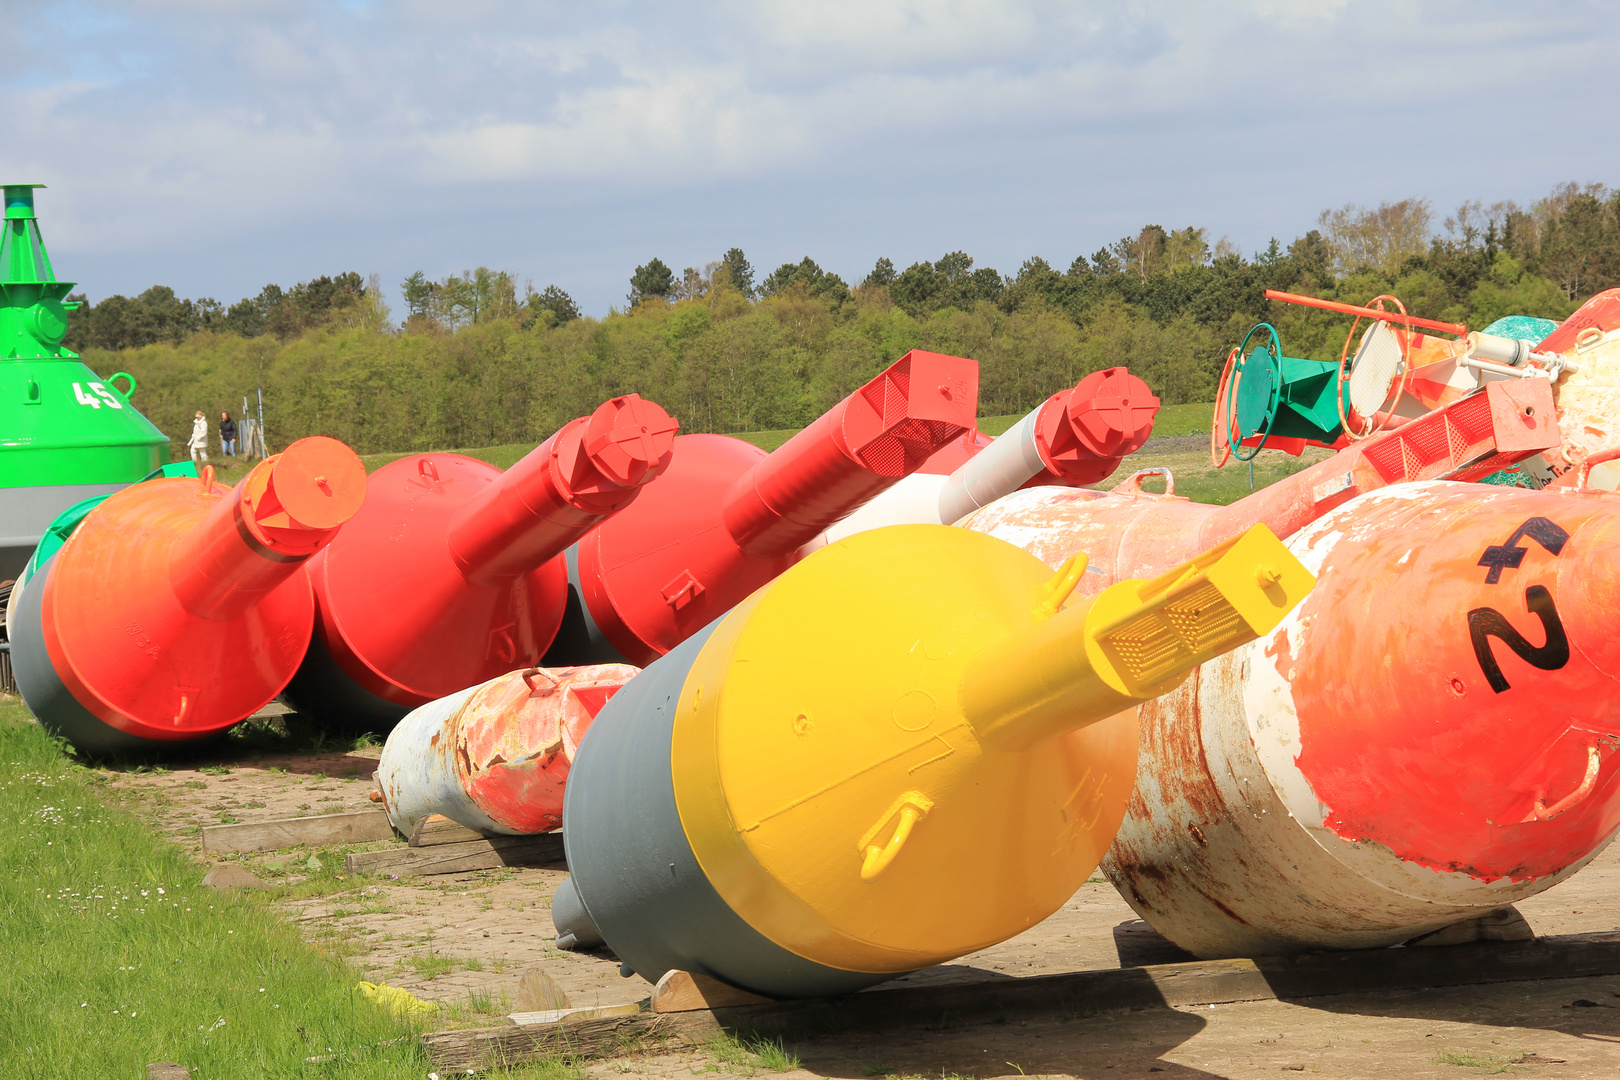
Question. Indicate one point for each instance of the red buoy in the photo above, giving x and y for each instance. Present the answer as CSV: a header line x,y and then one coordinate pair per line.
x,y
450,576
726,517
1085,432
178,607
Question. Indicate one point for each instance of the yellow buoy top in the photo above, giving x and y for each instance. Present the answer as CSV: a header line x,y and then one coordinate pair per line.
x,y
906,748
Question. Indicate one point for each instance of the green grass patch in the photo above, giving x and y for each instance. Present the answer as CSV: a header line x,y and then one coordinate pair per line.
x,y
290,733
1220,487
1190,419
997,425
1468,1059
429,965
750,1054
117,956
767,440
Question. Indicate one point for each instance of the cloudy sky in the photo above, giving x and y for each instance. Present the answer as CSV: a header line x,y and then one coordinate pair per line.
x,y
216,146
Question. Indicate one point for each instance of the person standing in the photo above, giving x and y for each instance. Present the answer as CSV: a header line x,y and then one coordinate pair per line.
x,y
227,434
199,441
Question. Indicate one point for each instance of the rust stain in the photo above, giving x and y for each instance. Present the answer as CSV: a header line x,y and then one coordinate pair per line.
x,y
1222,908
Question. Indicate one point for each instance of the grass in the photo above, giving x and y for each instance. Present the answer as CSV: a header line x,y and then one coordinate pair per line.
x,y
750,1054
117,956
766,440
429,965
1192,419
1468,1059
1199,481
290,733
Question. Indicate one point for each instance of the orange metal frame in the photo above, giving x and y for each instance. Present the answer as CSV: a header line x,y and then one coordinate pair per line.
x,y
1369,313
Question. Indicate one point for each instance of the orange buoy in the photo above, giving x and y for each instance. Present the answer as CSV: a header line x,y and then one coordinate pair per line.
x,y
179,606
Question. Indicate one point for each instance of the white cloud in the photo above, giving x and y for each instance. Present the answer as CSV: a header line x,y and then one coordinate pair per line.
x,y
169,129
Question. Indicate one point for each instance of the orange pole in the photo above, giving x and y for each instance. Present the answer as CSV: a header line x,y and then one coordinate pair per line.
x,y
1367,313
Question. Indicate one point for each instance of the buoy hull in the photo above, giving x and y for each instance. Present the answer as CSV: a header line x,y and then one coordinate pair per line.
x,y
495,757
1429,736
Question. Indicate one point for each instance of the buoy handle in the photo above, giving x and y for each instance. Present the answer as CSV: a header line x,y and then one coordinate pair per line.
x,y
912,807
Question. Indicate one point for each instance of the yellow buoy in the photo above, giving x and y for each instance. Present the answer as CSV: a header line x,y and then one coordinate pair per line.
x,y
902,750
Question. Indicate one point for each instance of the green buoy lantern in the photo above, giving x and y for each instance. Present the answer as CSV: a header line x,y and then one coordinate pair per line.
x,y
1277,396
66,434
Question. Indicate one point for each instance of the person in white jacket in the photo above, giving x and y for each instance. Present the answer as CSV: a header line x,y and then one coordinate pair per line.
x,y
199,441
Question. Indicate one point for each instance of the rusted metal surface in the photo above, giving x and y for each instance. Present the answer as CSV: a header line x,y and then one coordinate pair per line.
x,y
1429,736
495,757
1231,845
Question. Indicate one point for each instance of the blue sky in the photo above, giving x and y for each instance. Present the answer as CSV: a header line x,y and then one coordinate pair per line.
x,y
214,147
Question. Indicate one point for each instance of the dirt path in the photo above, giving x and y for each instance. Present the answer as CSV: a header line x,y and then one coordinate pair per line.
x,y
467,939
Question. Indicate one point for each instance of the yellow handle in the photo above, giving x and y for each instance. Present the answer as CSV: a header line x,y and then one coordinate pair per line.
x,y
1055,591
913,806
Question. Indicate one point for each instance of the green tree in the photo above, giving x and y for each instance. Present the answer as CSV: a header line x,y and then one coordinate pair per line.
x,y
882,274
807,277
418,293
653,280
739,273
558,304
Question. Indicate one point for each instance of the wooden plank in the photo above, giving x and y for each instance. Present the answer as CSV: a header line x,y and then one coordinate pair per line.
x,y
352,828
545,849
1200,982
479,1048
574,1016
682,991
438,829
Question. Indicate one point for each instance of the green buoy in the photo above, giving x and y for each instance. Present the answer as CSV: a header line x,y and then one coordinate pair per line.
x,y
66,434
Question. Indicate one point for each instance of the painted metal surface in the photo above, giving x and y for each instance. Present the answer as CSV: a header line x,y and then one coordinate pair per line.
x,y
65,433
1077,436
726,518
26,514
1269,395
1129,533
178,606
468,559
837,741
495,757
1303,793
62,526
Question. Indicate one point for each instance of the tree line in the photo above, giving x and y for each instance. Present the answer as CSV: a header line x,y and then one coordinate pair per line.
x,y
474,363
